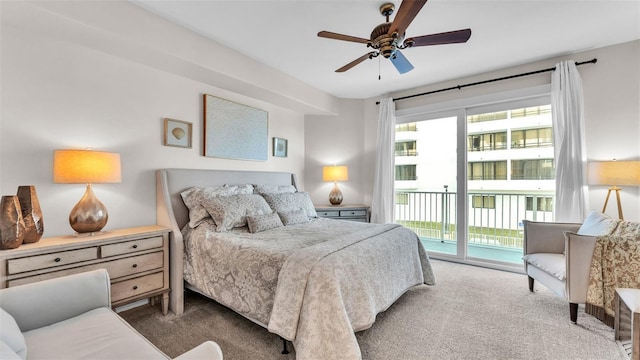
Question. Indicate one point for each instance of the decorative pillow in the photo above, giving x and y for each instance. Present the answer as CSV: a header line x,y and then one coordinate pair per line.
x,y
286,202
258,223
274,189
229,212
597,224
7,353
11,335
294,217
194,196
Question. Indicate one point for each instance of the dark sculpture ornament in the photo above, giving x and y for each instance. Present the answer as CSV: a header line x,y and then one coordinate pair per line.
x,y
31,214
11,223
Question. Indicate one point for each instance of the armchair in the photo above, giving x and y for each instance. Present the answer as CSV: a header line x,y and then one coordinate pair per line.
x,y
71,318
558,255
559,262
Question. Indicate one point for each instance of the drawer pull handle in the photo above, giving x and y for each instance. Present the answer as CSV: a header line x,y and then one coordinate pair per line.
x,y
135,287
57,259
135,246
135,265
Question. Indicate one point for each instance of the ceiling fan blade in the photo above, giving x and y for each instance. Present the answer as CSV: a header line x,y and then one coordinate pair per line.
x,y
400,62
451,37
357,61
336,36
407,12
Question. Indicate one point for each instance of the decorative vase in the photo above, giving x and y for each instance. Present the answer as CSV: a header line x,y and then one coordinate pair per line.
x,y
31,214
11,223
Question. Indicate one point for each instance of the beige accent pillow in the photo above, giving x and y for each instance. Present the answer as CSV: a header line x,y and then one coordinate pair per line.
x,y
258,223
230,212
294,217
286,202
195,196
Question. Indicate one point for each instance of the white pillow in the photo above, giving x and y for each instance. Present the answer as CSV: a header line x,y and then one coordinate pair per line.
x,y
195,196
287,202
11,335
597,224
229,212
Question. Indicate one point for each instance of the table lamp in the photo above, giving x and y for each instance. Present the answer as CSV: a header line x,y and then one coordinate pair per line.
x,y
614,173
335,174
86,167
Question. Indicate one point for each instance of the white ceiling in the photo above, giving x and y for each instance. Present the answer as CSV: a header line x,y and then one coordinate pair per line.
x,y
282,34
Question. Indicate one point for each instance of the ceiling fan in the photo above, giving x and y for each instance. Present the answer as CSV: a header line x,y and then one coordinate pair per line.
x,y
388,38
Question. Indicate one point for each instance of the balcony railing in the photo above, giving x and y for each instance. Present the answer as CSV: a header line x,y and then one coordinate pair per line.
x,y
494,219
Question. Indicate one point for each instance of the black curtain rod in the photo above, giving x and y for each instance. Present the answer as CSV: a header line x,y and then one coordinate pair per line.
x,y
592,61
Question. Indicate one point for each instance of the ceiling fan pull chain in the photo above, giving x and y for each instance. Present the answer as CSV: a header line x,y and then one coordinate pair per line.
x,y
379,77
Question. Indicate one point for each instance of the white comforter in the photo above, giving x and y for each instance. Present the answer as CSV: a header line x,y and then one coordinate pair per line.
x,y
314,284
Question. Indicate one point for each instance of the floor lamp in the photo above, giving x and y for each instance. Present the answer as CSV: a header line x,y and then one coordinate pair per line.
x,y
613,174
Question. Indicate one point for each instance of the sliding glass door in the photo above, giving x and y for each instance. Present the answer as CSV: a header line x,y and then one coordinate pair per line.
x,y
426,172
510,176
466,178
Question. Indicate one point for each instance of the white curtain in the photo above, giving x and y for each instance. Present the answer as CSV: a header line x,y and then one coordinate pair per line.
x,y
568,139
382,202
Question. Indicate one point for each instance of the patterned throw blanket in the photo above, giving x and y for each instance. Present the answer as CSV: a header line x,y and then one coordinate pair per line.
x,y
328,291
314,283
615,263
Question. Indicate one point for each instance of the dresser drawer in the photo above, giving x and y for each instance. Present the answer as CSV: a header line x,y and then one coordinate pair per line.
x,y
134,265
335,213
130,246
134,287
347,213
38,262
116,268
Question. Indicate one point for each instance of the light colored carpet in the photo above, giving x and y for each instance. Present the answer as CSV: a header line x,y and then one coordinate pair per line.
x,y
472,313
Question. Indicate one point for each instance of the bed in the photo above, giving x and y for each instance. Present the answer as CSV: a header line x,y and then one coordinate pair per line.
x,y
311,281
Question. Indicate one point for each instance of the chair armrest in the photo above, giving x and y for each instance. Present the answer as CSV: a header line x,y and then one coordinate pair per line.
x,y
546,237
208,350
579,252
50,301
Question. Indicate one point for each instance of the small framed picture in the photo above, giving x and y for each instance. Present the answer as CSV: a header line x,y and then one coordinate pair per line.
x,y
177,133
279,147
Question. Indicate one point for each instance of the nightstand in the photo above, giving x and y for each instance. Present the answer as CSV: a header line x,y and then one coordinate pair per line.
x,y
137,260
344,212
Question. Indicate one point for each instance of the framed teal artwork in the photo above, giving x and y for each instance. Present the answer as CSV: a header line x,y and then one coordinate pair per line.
x,y
235,131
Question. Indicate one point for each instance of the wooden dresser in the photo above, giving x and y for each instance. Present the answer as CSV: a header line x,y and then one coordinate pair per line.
x,y
137,260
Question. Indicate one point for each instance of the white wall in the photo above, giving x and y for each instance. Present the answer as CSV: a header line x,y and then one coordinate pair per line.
x,y
71,78
336,140
612,110
104,75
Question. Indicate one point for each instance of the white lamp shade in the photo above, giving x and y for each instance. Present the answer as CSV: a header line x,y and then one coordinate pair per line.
x,y
335,173
86,167
613,173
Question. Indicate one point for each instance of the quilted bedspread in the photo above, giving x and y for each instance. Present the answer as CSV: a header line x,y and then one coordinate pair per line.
x,y
314,284
615,263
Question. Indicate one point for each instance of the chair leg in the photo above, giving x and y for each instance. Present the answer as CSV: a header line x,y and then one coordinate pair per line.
x,y
530,284
573,312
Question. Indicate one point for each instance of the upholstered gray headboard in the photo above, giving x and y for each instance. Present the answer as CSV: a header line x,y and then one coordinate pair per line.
x,y
173,214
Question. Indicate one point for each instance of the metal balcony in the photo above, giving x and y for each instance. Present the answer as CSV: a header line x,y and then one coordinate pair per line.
x,y
495,220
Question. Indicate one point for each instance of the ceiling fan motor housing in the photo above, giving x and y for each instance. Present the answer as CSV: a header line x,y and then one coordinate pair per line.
x,y
384,42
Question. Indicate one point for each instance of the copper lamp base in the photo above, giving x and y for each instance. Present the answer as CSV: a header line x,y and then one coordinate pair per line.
x,y
335,196
89,215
